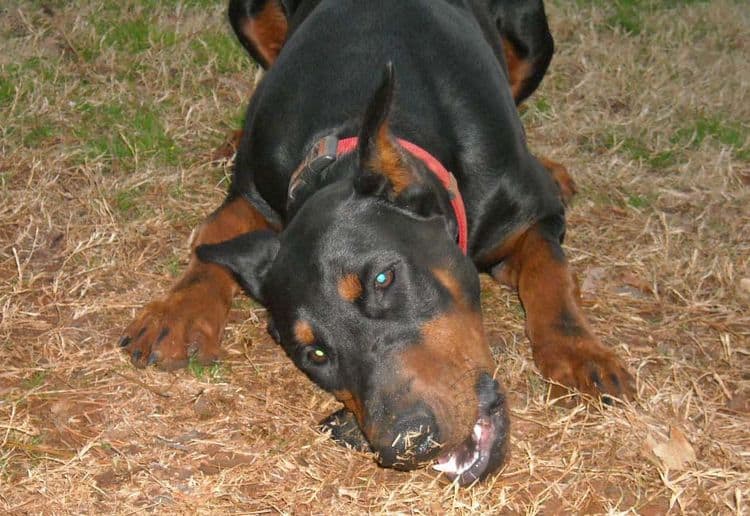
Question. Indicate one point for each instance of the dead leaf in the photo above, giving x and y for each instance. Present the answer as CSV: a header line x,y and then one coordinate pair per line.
x,y
744,287
740,402
224,460
638,282
350,493
592,279
673,453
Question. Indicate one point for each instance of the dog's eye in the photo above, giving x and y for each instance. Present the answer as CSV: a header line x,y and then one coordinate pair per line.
x,y
384,279
317,355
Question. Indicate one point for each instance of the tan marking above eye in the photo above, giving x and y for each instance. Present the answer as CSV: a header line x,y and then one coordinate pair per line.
x,y
450,283
350,288
303,332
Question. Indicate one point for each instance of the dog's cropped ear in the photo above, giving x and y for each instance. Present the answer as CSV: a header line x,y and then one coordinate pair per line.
x,y
261,26
384,170
248,256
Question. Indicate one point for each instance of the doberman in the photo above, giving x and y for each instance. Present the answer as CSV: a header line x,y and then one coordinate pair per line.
x,y
344,222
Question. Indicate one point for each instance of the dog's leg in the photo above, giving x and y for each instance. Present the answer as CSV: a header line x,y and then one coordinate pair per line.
x,y
189,320
345,430
261,27
564,347
527,43
562,177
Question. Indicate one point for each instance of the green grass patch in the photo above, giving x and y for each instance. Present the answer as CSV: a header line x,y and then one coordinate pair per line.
x,y
20,76
134,36
635,148
662,159
627,16
239,117
538,110
206,373
37,135
129,201
7,90
542,105
173,266
600,197
220,50
639,201
125,132
715,128
35,380
630,16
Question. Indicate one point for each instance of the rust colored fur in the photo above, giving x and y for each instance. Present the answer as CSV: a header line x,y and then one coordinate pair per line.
x,y
389,161
303,332
195,310
447,361
352,404
267,30
564,347
518,69
350,288
563,179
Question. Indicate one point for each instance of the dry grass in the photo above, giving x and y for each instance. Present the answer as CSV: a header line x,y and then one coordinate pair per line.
x,y
110,116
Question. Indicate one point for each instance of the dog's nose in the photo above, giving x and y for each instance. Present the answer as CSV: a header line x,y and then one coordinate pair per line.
x,y
413,440
488,391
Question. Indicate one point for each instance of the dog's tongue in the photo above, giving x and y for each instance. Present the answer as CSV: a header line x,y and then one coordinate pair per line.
x,y
462,459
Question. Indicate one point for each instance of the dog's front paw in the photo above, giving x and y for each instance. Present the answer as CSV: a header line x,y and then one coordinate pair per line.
x,y
589,367
345,430
188,323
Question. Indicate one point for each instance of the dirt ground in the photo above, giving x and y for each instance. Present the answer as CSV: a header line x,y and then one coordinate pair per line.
x,y
114,121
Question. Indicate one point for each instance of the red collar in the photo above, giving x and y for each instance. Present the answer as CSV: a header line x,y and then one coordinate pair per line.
x,y
322,155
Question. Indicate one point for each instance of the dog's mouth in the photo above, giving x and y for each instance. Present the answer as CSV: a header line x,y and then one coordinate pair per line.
x,y
481,453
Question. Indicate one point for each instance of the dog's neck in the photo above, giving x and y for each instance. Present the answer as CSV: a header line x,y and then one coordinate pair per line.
x,y
315,171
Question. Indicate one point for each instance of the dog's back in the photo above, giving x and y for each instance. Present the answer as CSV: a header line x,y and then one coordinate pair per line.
x,y
452,87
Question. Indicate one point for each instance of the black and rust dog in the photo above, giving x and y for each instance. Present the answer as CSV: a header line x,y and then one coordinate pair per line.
x,y
343,221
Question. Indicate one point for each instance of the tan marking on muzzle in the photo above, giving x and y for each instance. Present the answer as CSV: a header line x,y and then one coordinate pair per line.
x,y
445,365
354,405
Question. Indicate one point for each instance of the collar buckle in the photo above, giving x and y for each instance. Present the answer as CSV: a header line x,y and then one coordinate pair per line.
x,y
320,157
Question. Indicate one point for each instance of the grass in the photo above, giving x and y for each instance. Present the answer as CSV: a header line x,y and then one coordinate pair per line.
x,y
206,373
219,51
630,16
639,201
35,380
718,130
110,116
126,133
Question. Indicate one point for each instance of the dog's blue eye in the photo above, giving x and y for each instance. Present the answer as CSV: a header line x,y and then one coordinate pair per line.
x,y
384,279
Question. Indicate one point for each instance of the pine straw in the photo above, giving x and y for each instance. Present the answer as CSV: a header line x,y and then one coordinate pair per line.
x,y
660,251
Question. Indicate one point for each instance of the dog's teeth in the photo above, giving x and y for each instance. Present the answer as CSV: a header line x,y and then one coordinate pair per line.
x,y
477,432
446,467
466,465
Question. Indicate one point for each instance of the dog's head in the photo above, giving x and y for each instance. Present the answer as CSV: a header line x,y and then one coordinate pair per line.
x,y
370,296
